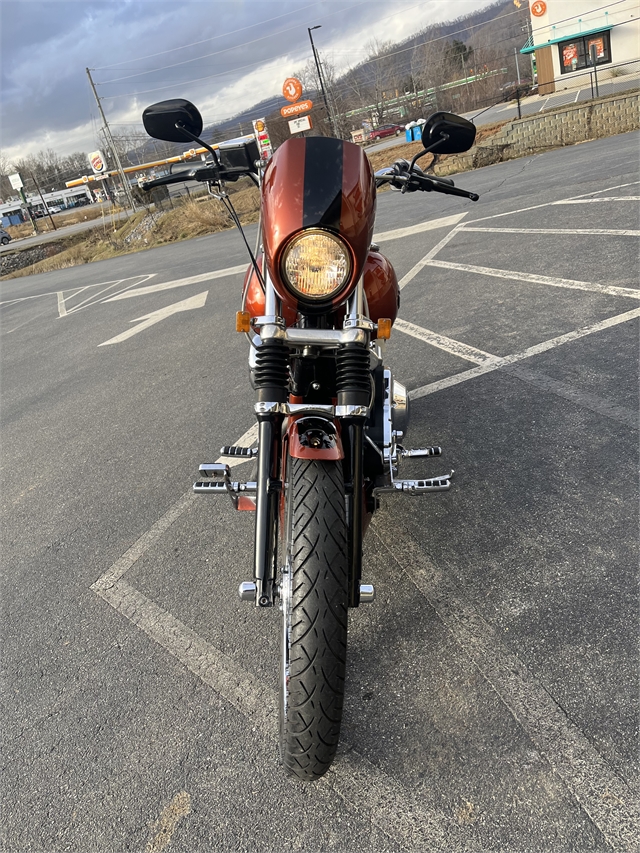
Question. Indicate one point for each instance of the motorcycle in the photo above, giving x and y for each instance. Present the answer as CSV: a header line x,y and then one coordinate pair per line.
x,y
319,301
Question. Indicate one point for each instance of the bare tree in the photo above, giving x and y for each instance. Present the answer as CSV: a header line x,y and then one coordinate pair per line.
x,y
487,60
6,169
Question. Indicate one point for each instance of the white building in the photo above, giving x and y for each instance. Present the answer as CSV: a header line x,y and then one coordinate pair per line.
x,y
564,33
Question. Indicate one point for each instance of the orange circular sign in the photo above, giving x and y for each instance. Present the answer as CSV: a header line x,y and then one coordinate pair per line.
x,y
292,89
538,8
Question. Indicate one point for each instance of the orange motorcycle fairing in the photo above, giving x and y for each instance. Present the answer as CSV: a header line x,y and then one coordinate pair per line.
x,y
254,301
381,287
318,182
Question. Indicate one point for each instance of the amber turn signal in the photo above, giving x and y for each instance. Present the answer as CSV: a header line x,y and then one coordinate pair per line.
x,y
384,328
243,321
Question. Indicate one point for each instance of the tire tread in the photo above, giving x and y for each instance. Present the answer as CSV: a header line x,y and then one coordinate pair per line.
x,y
318,651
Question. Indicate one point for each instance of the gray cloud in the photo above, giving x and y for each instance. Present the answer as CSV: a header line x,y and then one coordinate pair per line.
x,y
195,49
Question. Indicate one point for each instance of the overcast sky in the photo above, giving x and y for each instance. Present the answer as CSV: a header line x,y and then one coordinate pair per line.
x,y
224,55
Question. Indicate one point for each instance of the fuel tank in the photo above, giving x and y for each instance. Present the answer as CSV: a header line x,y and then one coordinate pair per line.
x,y
318,182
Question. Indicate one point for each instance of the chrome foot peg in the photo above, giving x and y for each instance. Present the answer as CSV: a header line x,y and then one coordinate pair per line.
x,y
236,451
417,487
419,451
367,593
218,482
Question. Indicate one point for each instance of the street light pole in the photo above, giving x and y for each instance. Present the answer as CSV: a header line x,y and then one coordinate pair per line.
x,y
319,70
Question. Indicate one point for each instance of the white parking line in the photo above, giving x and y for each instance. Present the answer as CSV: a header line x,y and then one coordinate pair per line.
x,y
64,311
178,282
429,225
392,808
596,200
488,367
449,345
601,793
413,272
594,231
62,308
549,203
534,278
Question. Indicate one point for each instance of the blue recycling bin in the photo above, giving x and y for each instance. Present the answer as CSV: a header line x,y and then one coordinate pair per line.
x,y
416,133
408,134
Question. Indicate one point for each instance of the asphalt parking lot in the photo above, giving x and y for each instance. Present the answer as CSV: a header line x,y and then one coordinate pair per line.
x,y
492,687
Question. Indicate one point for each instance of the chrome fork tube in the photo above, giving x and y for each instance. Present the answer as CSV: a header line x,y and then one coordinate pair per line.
x,y
271,373
355,304
271,299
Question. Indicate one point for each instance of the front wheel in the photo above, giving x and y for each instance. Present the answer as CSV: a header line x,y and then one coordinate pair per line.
x,y
314,602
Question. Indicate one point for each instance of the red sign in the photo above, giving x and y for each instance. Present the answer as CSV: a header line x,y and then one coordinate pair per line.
x,y
538,8
295,109
292,89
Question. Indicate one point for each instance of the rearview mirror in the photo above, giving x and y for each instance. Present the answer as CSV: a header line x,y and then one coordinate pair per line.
x,y
447,133
160,120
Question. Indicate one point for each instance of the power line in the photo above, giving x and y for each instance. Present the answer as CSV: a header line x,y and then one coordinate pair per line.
x,y
242,67
203,41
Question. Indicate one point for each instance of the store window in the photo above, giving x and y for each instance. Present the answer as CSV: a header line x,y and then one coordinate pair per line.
x,y
576,53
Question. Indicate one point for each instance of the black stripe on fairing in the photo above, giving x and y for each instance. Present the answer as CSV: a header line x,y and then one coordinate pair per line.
x,y
322,200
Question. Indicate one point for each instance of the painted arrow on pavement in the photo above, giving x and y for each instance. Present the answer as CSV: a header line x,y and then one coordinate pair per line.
x,y
197,301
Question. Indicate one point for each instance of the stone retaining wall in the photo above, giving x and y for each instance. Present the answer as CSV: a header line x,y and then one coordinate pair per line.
x,y
540,132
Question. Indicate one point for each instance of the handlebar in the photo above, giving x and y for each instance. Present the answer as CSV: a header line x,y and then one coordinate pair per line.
x,y
402,177
210,172
179,177
429,184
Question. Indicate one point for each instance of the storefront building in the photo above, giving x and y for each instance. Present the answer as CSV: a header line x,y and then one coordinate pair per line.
x,y
567,35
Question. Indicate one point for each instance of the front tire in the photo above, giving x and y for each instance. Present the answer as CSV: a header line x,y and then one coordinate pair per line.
x,y
314,604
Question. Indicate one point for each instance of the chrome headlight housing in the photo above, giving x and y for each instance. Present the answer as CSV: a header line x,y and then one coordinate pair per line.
x,y
316,265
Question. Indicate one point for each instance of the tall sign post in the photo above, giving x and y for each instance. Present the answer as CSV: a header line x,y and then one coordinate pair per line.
x,y
16,182
262,135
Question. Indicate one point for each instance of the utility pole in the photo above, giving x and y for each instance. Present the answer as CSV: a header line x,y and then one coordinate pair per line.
x,y
44,203
320,78
114,151
527,28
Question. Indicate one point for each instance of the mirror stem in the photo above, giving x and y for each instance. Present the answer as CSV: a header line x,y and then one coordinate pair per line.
x,y
443,138
195,138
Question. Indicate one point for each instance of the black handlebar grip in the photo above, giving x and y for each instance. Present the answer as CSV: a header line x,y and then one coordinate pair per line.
x,y
168,179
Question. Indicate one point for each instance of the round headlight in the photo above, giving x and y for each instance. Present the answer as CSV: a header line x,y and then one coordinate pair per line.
x,y
316,264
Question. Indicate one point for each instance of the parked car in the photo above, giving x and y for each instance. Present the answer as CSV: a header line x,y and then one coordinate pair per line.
x,y
54,209
4,236
386,130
